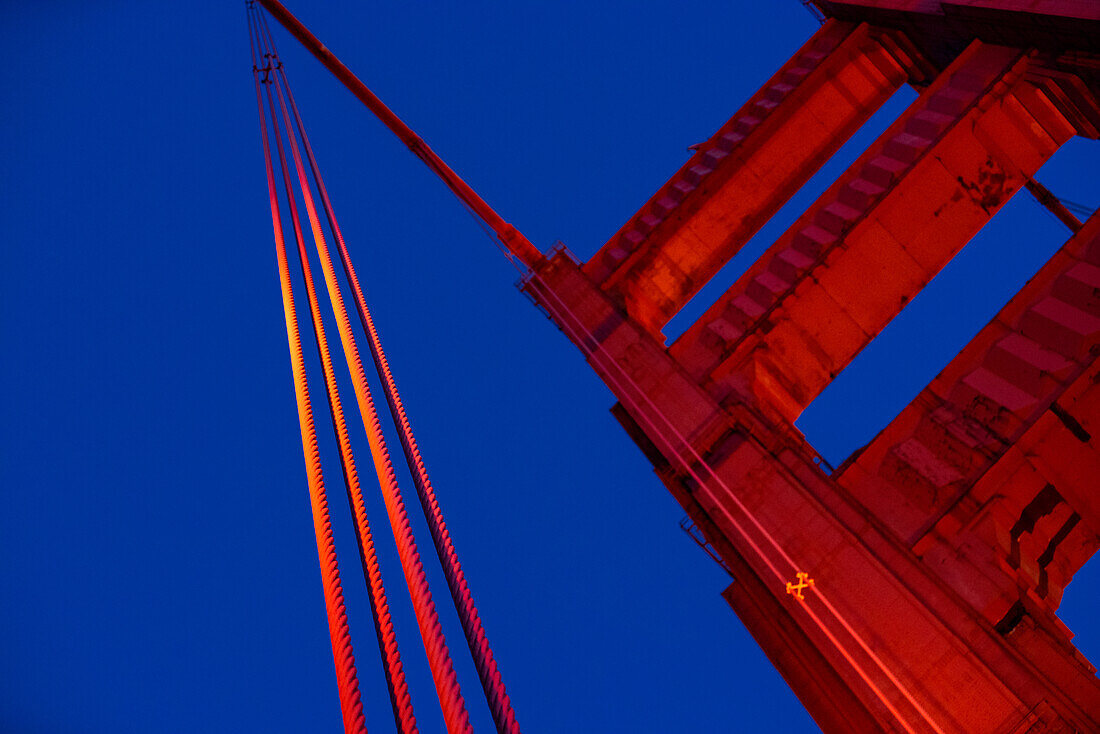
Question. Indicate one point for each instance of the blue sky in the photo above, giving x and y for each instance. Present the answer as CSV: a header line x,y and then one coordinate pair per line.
x,y
156,554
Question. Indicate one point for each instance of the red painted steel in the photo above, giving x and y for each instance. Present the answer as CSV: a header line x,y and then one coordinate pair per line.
x,y
740,177
431,632
351,706
519,245
1077,9
674,448
913,607
1012,378
499,703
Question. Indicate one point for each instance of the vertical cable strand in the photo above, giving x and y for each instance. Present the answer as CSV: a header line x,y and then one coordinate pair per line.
x,y
449,693
351,706
496,695
400,699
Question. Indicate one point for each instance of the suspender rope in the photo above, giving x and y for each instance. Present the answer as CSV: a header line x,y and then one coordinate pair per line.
x,y
499,704
496,695
431,631
383,624
351,706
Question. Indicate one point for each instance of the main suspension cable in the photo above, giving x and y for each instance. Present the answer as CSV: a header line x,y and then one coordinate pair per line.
x,y
508,235
351,706
495,692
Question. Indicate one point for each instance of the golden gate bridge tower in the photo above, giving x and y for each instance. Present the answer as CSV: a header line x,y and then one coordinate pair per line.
x,y
915,587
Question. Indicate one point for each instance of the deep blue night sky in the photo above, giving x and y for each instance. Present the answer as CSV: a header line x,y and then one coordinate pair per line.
x,y
157,563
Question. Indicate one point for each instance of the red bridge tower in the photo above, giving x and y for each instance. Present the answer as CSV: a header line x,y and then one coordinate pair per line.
x,y
915,587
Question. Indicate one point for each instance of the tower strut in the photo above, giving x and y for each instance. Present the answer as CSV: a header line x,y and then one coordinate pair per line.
x,y
516,243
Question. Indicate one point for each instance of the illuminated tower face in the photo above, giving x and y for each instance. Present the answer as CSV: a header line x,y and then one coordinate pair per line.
x,y
915,587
